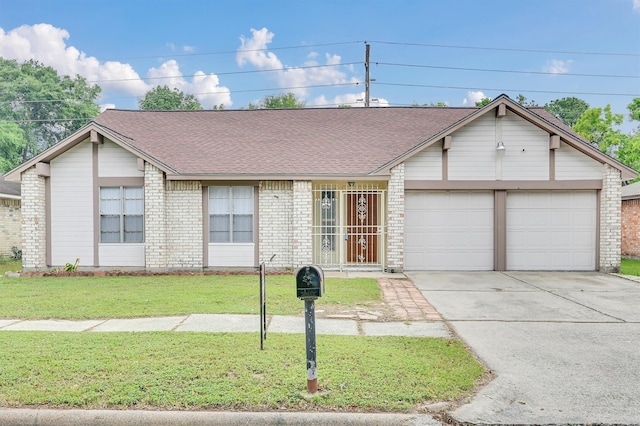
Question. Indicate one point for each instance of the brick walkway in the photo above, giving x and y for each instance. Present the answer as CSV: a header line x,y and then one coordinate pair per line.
x,y
406,301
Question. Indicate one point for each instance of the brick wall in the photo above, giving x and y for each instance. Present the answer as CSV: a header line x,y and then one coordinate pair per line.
x,y
610,220
10,226
630,214
275,231
184,224
395,219
34,233
155,226
302,223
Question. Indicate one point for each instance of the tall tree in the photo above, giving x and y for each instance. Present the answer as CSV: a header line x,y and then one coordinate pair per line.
x,y
12,144
46,106
482,102
283,100
634,109
567,109
596,125
522,100
163,98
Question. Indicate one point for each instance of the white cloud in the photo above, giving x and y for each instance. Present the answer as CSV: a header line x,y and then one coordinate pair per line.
x,y
556,66
636,5
205,87
105,107
48,45
473,97
253,51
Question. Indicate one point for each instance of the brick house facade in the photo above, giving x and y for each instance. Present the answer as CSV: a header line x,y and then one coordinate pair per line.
x,y
630,218
375,189
10,218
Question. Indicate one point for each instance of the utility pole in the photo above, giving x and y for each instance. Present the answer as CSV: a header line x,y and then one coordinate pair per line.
x,y
367,82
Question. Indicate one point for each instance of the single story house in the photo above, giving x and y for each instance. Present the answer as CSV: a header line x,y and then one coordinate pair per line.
x,y
631,220
10,219
502,187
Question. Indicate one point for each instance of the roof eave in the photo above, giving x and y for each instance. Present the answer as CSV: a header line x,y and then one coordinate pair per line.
x,y
76,138
274,177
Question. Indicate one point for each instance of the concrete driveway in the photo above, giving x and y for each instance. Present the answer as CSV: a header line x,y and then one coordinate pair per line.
x,y
565,346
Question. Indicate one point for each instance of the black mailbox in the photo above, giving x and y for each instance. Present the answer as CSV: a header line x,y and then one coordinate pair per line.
x,y
310,282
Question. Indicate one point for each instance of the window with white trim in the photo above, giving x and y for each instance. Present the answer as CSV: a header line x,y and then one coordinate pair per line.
x,y
122,214
231,214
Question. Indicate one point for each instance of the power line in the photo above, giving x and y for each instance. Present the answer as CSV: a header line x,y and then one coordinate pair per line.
x,y
223,52
504,90
506,71
119,80
504,49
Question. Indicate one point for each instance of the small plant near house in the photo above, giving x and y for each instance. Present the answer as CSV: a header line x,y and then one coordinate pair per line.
x,y
68,267
16,253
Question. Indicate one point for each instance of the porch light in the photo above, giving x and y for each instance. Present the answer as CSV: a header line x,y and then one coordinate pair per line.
x,y
353,183
500,146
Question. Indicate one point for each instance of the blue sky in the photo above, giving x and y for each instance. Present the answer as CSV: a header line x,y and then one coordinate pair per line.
x,y
225,52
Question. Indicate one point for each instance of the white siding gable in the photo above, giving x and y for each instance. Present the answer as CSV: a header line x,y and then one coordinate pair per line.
x,y
114,161
572,164
473,151
526,154
72,206
425,165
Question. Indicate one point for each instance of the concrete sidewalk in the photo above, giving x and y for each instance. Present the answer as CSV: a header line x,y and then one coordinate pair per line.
x,y
231,323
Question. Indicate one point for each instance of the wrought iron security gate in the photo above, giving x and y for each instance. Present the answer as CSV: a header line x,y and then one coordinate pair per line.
x,y
349,226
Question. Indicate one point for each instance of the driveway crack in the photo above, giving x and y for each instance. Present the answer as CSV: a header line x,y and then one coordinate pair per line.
x,y
562,297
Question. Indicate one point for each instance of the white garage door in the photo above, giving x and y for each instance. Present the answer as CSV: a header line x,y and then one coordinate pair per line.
x,y
449,230
551,230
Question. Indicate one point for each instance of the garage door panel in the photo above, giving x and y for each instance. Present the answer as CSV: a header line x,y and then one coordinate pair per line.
x,y
449,230
551,230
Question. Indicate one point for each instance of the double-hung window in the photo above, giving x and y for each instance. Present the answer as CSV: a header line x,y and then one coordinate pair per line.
x,y
231,214
122,214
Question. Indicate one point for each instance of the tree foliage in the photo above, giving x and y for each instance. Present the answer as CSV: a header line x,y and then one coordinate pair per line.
x,y
46,108
281,101
482,102
599,126
596,126
163,98
431,104
12,144
567,109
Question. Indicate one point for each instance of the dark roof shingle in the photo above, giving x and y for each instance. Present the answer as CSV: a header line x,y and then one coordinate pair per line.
x,y
282,142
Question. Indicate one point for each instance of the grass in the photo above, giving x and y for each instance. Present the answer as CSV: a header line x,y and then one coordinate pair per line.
x,y
630,267
78,298
9,265
192,371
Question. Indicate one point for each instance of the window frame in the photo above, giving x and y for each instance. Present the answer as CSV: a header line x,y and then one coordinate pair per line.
x,y
122,213
231,209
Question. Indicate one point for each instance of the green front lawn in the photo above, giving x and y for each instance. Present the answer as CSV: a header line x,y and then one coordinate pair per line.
x,y
179,370
9,265
192,371
630,267
134,296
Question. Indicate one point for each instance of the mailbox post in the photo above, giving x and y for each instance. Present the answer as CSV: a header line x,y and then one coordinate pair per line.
x,y
310,286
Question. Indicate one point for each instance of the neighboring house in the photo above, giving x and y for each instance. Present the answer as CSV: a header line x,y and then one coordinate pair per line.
x,y
10,219
369,188
631,220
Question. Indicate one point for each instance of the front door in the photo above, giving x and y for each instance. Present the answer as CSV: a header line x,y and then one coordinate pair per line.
x,y
362,227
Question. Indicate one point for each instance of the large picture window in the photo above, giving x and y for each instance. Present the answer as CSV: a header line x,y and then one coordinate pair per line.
x,y
122,214
231,214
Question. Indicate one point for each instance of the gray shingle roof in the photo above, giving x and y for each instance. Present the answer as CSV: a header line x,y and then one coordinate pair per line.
x,y
334,141
9,188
